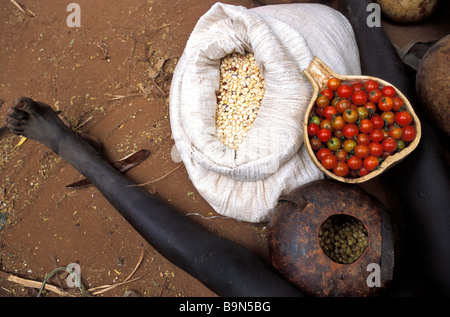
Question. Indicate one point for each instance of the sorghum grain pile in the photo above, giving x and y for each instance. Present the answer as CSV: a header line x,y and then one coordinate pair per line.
x,y
239,98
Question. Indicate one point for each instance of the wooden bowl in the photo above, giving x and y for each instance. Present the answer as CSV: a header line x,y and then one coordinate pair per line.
x,y
318,74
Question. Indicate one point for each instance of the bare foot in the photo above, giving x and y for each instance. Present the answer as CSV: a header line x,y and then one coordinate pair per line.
x,y
36,121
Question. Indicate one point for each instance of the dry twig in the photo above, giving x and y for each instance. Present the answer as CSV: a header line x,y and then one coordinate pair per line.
x,y
157,179
105,288
23,8
92,291
118,97
29,283
159,90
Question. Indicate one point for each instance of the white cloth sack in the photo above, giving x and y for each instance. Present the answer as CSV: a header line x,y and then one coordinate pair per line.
x,y
246,183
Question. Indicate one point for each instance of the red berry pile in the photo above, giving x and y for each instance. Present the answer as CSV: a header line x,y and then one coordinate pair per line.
x,y
354,127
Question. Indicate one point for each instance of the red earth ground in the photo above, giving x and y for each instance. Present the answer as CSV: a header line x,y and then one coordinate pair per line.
x,y
99,76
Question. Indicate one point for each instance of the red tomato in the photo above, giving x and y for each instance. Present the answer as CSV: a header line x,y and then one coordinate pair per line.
x,y
338,133
354,163
350,130
329,112
324,135
396,133
388,116
328,93
349,145
322,153
376,135
341,155
370,163
313,128
344,91
388,91
341,169
386,104
359,98
378,122
335,100
322,101
350,115
398,103
376,149
371,107
403,118
371,85
338,123
366,126
326,124
329,161
363,171
357,86
361,151
363,138
375,96
342,105
333,83
363,112
315,144
409,133
389,145
319,112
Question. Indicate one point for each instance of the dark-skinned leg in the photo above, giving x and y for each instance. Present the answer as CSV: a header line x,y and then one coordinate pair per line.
x,y
223,266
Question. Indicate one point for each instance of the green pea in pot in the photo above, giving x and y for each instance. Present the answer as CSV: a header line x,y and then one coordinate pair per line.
x,y
333,239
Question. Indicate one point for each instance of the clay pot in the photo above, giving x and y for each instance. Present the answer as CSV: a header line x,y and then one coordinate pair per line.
x,y
433,84
294,245
408,11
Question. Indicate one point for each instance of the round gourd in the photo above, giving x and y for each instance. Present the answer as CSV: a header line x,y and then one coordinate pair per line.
x,y
433,84
407,11
297,230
